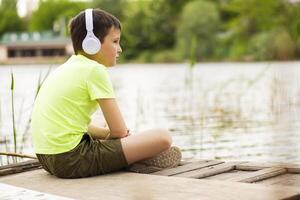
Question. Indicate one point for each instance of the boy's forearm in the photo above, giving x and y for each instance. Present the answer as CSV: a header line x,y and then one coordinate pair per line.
x,y
103,133
98,132
120,134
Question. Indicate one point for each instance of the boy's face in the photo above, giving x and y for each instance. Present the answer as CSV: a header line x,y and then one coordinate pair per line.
x,y
110,48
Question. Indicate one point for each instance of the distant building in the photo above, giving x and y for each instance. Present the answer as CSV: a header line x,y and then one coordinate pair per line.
x,y
36,45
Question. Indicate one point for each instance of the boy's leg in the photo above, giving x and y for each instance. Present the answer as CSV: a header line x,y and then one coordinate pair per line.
x,y
145,145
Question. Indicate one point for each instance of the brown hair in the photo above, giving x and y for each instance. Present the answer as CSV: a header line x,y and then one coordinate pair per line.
x,y
102,23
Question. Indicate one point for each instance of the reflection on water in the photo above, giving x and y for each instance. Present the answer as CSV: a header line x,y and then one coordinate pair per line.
x,y
227,111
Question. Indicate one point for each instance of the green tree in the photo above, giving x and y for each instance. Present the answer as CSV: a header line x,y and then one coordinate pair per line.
x,y
252,16
199,20
115,7
10,20
292,24
282,46
150,27
292,20
54,12
164,15
251,21
135,32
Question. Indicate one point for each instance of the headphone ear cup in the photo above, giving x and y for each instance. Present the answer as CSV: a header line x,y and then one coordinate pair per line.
x,y
91,45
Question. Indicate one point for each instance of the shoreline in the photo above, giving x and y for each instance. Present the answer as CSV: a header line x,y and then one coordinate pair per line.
x,y
36,60
62,59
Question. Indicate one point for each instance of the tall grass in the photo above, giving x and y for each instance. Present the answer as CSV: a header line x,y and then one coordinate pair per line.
x,y
1,162
12,85
18,145
193,52
192,62
27,127
0,114
221,117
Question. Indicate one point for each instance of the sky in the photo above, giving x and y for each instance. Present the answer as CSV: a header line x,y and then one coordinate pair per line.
x,y
24,5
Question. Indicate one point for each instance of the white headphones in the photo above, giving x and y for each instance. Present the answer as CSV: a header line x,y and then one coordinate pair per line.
x,y
91,44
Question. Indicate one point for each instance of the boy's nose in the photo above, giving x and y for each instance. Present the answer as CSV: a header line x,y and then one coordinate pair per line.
x,y
119,49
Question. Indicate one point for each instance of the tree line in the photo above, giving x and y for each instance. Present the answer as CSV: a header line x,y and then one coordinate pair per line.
x,y
175,30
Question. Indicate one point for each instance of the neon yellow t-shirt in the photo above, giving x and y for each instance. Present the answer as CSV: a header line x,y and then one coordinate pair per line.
x,y
65,103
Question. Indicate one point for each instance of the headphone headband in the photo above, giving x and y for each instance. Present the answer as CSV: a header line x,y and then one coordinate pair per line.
x,y
89,19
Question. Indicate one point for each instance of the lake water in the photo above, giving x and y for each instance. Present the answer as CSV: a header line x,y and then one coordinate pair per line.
x,y
227,111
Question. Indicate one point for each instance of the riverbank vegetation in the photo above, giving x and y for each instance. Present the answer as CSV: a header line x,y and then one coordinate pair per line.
x,y
162,30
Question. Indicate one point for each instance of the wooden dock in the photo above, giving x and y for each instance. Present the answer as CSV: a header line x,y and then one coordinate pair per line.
x,y
202,179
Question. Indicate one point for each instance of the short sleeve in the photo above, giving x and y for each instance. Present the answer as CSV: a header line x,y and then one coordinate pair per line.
x,y
99,85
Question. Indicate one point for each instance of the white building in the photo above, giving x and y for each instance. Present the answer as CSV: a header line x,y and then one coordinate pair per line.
x,y
28,46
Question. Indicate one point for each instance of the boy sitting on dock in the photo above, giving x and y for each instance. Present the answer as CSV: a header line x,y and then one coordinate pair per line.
x,y
65,142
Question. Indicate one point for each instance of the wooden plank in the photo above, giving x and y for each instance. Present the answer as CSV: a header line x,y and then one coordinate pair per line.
x,y
188,167
285,179
254,166
19,167
13,192
17,155
227,175
28,162
127,186
3,140
259,175
185,162
209,171
189,161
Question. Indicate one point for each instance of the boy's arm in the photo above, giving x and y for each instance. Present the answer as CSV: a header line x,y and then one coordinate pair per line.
x,y
98,132
113,118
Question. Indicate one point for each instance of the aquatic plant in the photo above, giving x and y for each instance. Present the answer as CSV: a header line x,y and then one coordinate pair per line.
x,y
13,111
27,127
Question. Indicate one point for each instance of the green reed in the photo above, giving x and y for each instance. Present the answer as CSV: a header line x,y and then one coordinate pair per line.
x,y
41,79
189,74
228,118
193,52
192,61
0,116
13,111
1,162
27,127
218,117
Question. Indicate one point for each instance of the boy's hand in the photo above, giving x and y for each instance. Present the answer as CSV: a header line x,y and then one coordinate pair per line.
x,y
98,132
128,133
104,124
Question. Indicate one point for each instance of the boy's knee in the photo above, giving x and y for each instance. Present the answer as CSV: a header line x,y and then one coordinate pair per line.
x,y
166,139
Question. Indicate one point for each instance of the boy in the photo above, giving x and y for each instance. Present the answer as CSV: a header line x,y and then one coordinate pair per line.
x,y
65,142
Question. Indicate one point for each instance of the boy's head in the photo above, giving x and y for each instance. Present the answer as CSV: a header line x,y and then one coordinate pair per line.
x,y
107,29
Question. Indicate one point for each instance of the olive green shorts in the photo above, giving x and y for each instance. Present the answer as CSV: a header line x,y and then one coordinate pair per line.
x,y
90,157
